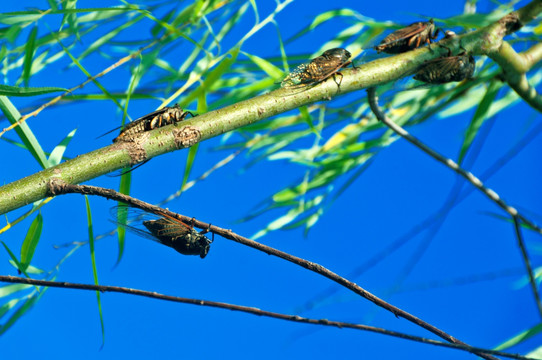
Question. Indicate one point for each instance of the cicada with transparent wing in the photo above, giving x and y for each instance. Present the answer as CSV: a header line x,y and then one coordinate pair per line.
x,y
409,38
166,116
447,69
163,229
319,69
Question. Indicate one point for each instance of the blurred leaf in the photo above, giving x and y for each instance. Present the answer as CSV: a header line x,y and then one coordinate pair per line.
x,y
271,70
478,119
8,290
29,55
15,260
466,103
305,115
536,353
96,82
27,305
124,188
31,242
97,44
521,337
190,158
27,91
69,16
24,132
94,269
7,307
278,223
322,18
58,152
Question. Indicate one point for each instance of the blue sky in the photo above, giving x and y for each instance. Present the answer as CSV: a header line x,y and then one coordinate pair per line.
x,y
401,188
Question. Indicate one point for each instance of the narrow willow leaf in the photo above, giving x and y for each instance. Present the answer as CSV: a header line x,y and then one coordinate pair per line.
x,y
536,353
31,241
271,70
94,269
19,19
278,223
12,289
27,305
212,77
124,188
80,66
7,307
27,91
24,132
14,259
474,98
521,337
29,55
68,16
305,115
97,44
480,115
58,152
321,19
190,158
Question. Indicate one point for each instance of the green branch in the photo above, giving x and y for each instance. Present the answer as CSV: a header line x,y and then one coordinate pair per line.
x,y
187,133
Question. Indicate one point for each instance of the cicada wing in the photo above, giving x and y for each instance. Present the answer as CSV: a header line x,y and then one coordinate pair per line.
x,y
131,219
404,33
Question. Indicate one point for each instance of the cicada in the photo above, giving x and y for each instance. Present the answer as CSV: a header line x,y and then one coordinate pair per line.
x,y
409,37
447,69
156,119
165,230
319,69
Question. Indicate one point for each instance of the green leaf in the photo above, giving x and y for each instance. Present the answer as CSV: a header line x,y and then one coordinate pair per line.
x,y
27,305
14,259
7,307
69,16
478,119
124,188
321,19
80,66
94,270
12,289
521,337
190,158
278,223
271,70
31,241
214,75
8,90
29,55
24,132
305,115
58,152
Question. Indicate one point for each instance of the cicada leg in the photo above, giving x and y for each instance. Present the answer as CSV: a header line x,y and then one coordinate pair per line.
x,y
335,79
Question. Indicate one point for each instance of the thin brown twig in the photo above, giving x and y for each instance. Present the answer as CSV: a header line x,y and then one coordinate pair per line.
x,y
492,195
527,262
58,187
254,311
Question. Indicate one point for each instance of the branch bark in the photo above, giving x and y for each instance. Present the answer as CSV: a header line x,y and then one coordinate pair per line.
x,y
187,133
57,187
252,310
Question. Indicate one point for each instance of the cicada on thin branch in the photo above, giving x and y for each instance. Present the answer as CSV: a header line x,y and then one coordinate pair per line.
x,y
319,69
409,38
163,229
154,120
